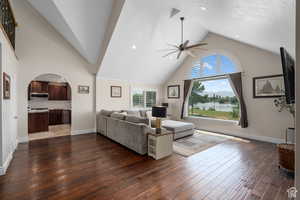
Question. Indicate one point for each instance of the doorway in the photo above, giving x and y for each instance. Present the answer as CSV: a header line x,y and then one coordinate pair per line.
x,y
49,107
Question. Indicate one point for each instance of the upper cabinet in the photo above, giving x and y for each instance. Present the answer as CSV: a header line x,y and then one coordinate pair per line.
x,y
54,91
59,92
38,87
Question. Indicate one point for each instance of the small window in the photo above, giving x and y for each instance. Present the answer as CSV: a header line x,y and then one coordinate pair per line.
x,y
213,98
142,98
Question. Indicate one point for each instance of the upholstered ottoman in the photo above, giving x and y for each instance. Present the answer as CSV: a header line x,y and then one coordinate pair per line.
x,y
179,129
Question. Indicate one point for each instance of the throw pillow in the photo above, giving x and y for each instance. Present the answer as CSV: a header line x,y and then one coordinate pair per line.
x,y
117,115
135,113
106,113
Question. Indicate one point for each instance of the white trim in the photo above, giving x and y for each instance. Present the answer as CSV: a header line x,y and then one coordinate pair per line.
x,y
80,132
3,168
253,137
24,139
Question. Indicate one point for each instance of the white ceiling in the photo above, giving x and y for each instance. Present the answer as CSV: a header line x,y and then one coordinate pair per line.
x,y
146,24
82,23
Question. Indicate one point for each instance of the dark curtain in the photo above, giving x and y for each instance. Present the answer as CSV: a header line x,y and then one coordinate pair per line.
x,y
237,86
186,89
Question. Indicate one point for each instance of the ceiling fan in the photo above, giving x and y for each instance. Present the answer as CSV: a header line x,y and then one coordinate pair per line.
x,y
183,47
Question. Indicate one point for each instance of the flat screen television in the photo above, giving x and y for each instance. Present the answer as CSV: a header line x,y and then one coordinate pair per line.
x,y
288,67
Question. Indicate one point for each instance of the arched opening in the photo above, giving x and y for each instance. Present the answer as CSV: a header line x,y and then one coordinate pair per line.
x,y
49,107
212,95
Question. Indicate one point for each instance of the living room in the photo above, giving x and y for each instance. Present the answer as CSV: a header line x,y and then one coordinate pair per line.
x,y
170,99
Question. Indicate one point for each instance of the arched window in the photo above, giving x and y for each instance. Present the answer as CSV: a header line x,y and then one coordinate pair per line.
x,y
213,65
212,95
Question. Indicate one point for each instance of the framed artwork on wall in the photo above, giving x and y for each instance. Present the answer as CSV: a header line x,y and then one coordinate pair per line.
x,y
268,86
115,91
173,91
83,89
6,86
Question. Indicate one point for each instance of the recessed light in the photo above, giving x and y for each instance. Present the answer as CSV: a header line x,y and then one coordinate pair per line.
x,y
237,36
133,47
203,8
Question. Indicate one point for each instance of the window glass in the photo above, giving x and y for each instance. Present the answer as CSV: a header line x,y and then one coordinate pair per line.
x,y
142,98
213,99
213,65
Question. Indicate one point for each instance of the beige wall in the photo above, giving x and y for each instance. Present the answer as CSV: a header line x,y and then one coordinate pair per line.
x,y
42,50
104,101
265,123
9,65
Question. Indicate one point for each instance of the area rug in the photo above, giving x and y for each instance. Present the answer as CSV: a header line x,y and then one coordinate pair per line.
x,y
200,141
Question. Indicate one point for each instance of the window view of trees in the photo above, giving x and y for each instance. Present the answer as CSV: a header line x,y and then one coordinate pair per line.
x,y
213,99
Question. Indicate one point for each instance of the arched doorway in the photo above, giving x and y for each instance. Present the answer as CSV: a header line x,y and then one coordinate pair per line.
x,y
49,107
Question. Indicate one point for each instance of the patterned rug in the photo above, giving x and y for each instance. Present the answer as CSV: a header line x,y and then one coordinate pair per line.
x,y
200,141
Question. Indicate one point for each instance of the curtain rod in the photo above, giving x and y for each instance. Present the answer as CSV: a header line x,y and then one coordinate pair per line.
x,y
215,77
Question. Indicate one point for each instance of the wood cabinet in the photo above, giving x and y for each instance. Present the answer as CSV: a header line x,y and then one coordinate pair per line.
x,y
58,116
38,122
59,92
38,87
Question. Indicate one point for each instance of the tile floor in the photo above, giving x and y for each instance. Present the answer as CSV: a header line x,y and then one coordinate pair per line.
x,y
54,131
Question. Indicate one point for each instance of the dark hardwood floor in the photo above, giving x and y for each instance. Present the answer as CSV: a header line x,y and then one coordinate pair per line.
x,y
93,167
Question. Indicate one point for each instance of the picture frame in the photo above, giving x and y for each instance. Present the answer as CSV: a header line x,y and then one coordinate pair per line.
x,y
173,91
268,86
83,89
6,86
115,91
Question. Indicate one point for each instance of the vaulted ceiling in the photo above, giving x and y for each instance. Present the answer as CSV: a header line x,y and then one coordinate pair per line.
x,y
83,23
133,52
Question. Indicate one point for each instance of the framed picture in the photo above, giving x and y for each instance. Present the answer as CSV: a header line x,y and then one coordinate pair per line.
x,y
115,91
6,86
268,86
173,91
83,89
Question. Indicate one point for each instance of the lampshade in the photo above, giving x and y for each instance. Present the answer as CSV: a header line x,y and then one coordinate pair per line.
x,y
159,111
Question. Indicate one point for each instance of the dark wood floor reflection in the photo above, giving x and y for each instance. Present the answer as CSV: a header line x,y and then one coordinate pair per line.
x,y
93,167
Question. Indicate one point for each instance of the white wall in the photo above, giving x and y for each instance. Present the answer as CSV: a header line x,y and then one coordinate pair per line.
x,y
41,50
265,122
104,101
9,65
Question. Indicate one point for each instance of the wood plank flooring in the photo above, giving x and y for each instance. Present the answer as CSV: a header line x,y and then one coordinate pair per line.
x,y
94,167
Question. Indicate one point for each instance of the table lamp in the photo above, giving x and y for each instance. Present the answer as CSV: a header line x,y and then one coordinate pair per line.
x,y
159,112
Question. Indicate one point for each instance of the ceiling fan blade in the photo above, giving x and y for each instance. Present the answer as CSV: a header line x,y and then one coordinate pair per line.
x,y
179,54
167,49
196,45
173,45
172,52
185,44
190,53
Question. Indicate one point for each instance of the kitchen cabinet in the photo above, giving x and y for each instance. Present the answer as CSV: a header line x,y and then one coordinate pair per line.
x,y
58,116
38,87
58,92
38,122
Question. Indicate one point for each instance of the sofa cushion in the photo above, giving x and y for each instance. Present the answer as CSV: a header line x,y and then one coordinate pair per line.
x,y
106,113
117,115
143,113
177,126
135,119
133,112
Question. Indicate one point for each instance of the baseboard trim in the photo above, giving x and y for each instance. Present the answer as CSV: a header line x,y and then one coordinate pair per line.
x,y
253,137
80,132
4,168
24,139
